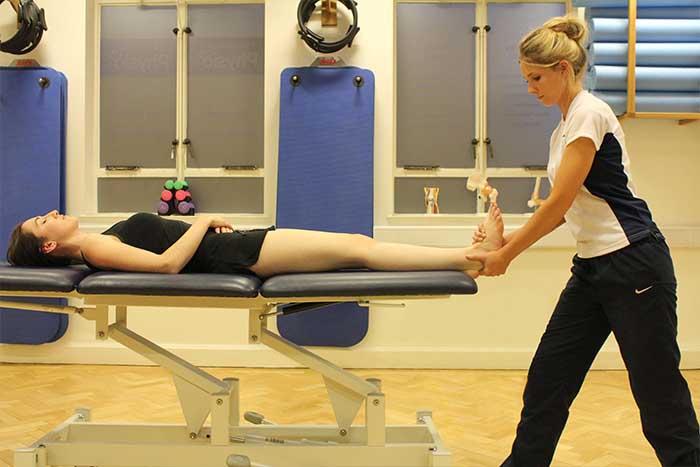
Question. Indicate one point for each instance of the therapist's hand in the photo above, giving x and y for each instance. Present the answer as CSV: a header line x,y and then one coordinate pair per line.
x,y
479,234
495,263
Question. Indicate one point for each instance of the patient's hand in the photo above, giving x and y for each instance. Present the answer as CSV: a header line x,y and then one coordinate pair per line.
x,y
220,225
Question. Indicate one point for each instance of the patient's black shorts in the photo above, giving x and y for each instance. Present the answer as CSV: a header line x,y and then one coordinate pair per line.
x,y
232,252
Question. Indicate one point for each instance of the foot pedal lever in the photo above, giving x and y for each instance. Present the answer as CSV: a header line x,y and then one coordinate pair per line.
x,y
257,439
234,460
257,418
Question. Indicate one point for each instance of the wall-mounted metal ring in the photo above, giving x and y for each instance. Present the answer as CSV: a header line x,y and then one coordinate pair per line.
x,y
31,24
318,42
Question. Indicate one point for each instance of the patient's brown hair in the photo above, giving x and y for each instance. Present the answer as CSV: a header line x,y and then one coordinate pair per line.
x,y
25,250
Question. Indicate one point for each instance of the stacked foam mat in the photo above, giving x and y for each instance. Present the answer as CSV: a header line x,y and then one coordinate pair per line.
x,y
667,54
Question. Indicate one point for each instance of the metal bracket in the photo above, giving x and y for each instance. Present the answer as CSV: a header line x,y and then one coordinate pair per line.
x,y
382,304
257,321
329,13
66,310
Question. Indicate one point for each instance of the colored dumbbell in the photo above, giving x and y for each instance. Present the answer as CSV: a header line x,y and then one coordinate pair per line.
x,y
182,195
185,208
166,195
175,199
180,184
163,208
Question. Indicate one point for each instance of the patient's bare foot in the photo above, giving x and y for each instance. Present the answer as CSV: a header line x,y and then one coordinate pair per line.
x,y
494,229
493,226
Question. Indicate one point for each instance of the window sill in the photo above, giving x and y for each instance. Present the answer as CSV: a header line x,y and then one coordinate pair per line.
x,y
95,223
678,236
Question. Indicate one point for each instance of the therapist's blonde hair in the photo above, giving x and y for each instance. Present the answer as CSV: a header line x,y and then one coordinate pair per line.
x,y
560,38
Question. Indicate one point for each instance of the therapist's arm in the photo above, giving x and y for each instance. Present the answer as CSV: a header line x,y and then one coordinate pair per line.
x,y
509,236
480,233
575,166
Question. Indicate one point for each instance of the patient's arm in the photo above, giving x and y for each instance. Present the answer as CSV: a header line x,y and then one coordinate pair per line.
x,y
105,253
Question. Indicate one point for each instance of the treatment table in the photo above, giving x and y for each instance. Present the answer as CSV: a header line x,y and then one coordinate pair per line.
x,y
225,441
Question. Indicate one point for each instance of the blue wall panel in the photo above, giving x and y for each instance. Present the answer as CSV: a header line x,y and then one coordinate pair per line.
x,y
326,179
32,153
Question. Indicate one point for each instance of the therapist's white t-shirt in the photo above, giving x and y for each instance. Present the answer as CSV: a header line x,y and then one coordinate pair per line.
x,y
606,214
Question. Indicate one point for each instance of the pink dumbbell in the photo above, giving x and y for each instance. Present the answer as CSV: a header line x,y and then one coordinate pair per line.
x,y
166,195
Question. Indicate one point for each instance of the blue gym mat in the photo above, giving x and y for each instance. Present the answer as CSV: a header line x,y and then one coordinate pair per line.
x,y
32,153
326,179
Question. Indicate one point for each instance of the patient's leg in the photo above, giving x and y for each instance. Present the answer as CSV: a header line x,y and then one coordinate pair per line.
x,y
291,250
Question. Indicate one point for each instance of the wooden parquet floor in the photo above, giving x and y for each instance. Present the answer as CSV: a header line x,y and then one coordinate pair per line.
x,y
476,411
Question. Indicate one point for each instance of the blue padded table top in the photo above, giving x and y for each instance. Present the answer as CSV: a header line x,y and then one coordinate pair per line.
x,y
39,279
180,285
356,283
352,283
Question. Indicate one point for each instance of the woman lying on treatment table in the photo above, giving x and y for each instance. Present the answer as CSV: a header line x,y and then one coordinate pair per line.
x,y
149,243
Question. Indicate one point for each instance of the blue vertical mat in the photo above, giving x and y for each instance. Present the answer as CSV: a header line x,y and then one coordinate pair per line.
x,y
32,154
326,180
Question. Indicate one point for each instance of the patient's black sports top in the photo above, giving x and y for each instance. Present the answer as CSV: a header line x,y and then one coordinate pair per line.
x,y
217,253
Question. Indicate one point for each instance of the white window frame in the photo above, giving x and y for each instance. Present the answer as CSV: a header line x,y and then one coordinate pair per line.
x,y
93,171
481,166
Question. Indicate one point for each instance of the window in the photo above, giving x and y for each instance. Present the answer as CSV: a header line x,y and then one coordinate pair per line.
x,y
462,106
181,96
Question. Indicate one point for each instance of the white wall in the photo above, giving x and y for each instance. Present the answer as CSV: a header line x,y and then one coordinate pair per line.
x,y
498,328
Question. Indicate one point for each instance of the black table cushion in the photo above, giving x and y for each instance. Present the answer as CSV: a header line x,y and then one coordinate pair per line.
x,y
41,279
197,285
357,283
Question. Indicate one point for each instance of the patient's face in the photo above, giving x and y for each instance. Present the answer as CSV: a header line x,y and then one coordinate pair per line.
x,y
51,226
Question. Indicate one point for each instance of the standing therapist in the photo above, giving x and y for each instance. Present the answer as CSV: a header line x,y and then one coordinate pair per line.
x,y
622,276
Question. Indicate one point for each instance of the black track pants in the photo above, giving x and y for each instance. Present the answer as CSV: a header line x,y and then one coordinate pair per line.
x,y
631,292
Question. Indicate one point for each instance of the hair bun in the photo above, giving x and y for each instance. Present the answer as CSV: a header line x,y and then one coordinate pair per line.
x,y
574,28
